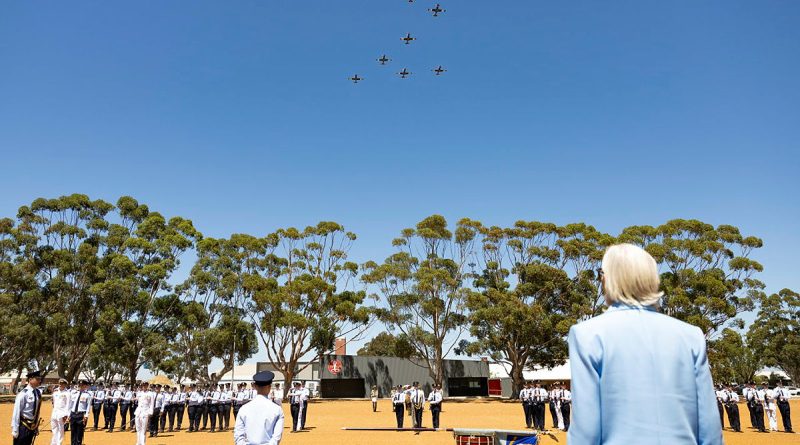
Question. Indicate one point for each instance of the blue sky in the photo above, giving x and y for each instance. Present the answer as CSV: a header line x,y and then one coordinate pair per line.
x,y
239,116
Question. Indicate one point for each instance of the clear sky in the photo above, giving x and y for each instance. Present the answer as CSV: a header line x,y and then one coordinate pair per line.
x,y
239,115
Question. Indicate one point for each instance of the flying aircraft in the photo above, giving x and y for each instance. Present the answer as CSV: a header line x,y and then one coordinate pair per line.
x,y
405,73
439,70
436,10
384,60
408,39
356,79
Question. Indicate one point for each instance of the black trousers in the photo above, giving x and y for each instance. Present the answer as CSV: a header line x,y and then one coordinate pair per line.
x,y
171,414
399,413
193,411
224,415
96,408
783,407
179,410
303,415
733,416
123,414
721,414
212,414
538,415
554,414
134,405
163,417
204,414
76,428
752,415
418,418
565,412
436,409
758,411
527,408
295,410
153,427
111,415
25,436
236,407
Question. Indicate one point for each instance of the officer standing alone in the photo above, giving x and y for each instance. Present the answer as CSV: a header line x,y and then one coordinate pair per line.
x,y
260,422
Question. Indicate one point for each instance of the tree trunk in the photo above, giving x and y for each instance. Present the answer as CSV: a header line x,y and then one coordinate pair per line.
x,y
16,381
517,380
288,375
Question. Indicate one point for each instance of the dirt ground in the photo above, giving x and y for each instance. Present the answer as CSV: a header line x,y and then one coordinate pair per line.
x,y
326,418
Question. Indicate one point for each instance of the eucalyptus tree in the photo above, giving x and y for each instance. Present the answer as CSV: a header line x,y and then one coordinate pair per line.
x,y
19,337
775,334
306,296
144,249
732,359
535,280
708,276
212,323
62,243
424,287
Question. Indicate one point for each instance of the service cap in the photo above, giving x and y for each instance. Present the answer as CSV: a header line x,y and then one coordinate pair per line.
x,y
264,378
33,374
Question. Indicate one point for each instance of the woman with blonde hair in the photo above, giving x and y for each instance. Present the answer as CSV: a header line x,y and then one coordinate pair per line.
x,y
639,376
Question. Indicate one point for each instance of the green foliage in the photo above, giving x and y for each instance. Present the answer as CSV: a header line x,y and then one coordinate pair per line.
x,y
388,345
732,360
304,297
776,332
423,287
708,278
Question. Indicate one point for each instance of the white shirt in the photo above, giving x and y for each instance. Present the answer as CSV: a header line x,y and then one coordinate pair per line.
x,y
159,400
259,422
128,396
566,396
80,401
146,403
435,398
61,403
25,405
417,396
399,398
782,394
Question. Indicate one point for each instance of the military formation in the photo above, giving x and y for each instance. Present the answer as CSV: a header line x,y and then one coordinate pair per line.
x,y
535,399
409,400
760,401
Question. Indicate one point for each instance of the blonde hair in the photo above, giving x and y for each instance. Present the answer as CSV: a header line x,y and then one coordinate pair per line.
x,y
631,276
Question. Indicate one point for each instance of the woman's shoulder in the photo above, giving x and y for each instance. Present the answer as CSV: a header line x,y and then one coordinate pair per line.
x,y
615,319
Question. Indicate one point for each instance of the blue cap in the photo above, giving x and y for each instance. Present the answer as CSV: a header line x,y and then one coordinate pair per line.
x,y
264,378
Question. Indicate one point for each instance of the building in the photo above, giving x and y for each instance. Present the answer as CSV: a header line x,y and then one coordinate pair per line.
x,y
349,376
500,383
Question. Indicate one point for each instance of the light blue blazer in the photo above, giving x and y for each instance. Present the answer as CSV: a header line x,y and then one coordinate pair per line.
x,y
640,377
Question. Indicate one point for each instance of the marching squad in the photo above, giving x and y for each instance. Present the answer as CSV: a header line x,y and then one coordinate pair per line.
x,y
409,400
150,410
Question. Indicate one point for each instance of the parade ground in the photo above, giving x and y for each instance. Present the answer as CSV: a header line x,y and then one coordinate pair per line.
x,y
326,419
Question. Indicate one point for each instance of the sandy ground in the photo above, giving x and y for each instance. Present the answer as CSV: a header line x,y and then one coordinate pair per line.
x,y
326,418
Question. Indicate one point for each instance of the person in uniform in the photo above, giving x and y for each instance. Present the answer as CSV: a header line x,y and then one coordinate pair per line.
x,y
305,396
295,405
435,404
155,413
80,402
539,401
782,395
116,397
125,406
260,422
98,399
193,408
554,407
398,402
417,404
749,400
759,396
373,395
25,418
238,399
212,405
60,413
771,408
278,394
720,393
225,407
565,400
731,401
203,411
174,398
134,404
183,399
144,413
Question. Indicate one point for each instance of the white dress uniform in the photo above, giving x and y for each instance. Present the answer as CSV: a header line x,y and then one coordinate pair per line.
x,y
555,396
771,408
259,422
278,393
61,406
143,412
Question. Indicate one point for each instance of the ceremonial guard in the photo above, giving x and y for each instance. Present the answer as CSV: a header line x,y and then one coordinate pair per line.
x,y
398,402
304,398
527,403
225,407
750,401
539,400
417,404
296,405
731,401
758,396
195,401
134,404
174,399
144,413
25,418
155,413
260,422
162,418
373,395
771,409
212,405
782,394
183,399
205,407
719,393
80,402
435,404
125,406
554,406
115,396
565,397
60,414
239,399
98,400
277,394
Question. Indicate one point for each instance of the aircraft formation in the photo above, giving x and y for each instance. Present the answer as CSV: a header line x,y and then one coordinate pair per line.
x,y
408,39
